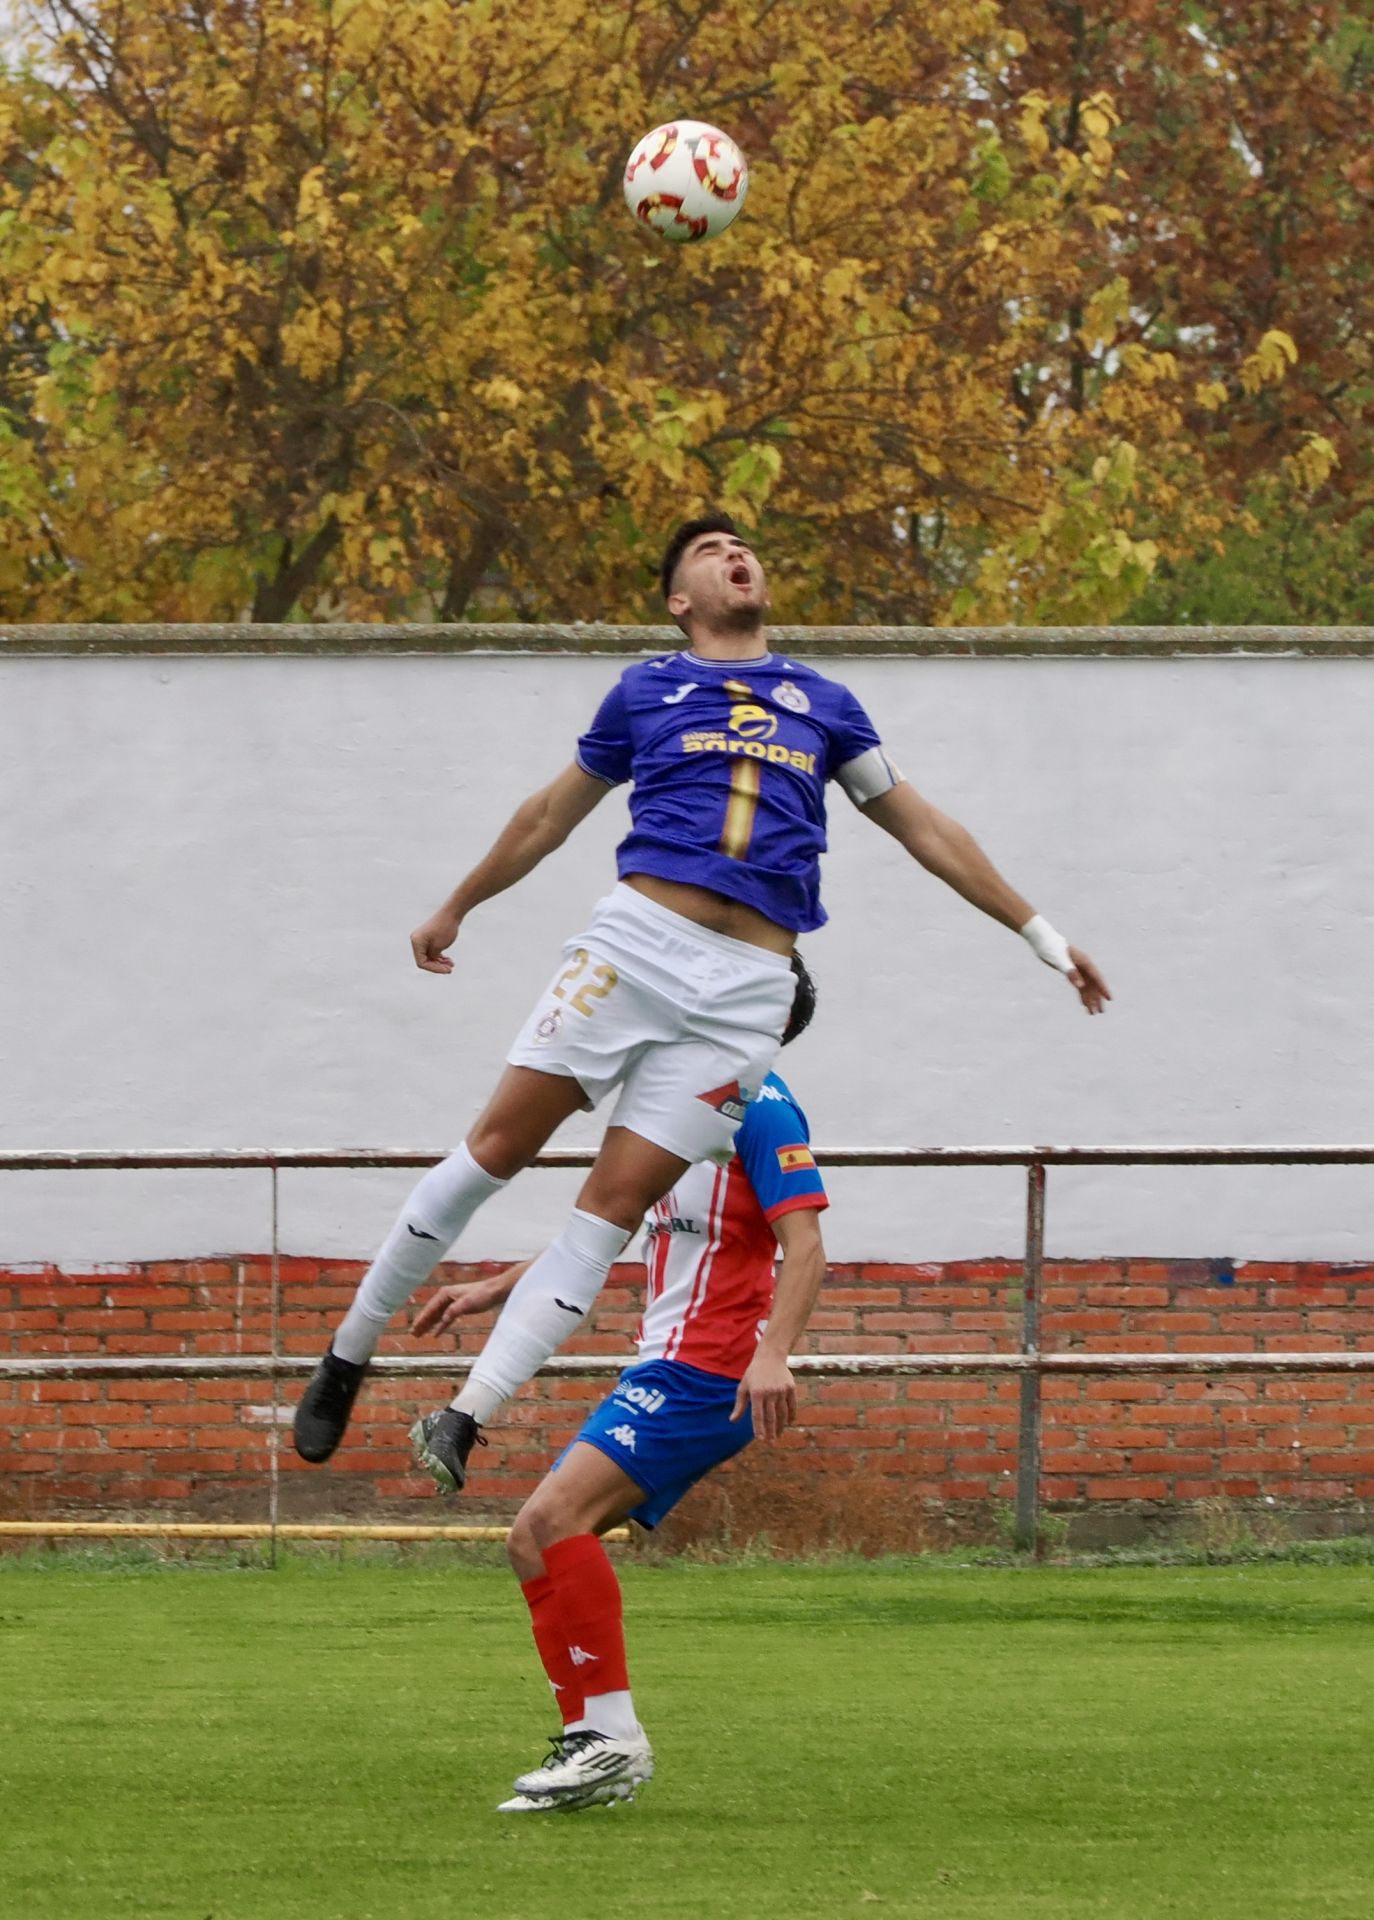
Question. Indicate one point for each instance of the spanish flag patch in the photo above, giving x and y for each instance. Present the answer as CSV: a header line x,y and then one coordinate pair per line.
x,y
794,1159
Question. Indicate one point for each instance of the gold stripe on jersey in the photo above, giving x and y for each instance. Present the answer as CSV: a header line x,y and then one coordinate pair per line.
x,y
740,809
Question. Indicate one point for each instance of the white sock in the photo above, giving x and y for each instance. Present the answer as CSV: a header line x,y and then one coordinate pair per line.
x,y
433,1217
611,1713
549,1301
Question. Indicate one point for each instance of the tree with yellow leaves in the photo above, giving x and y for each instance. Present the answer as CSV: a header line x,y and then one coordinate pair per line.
x,y
329,308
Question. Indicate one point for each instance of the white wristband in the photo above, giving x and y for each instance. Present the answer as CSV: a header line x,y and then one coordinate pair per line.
x,y
1049,946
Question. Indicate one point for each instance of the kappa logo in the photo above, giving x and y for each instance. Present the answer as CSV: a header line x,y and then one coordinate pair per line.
x,y
580,1658
647,1399
688,686
623,1436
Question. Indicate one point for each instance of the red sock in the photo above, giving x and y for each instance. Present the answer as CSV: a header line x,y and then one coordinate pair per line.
x,y
551,1638
592,1613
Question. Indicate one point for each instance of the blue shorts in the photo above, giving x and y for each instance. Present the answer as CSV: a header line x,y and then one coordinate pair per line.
x,y
667,1426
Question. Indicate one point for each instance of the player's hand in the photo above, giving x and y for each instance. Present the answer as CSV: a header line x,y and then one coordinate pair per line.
x,y
1093,990
448,1304
429,942
770,1391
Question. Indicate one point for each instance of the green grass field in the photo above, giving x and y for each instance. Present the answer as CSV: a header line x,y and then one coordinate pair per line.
x,y
328,1743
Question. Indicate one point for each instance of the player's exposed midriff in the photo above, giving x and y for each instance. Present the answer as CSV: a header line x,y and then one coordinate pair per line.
x,y
715,912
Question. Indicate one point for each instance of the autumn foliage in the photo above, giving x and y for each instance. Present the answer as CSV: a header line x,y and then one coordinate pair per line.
x,y
330,308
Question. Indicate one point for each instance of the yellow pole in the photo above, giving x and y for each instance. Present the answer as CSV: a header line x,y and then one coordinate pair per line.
x,y
245,1530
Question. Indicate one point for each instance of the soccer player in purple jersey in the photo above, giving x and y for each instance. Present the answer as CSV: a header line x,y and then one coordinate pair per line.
x,y
677,992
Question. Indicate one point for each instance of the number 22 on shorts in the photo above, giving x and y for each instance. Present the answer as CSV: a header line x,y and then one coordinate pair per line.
x,y
602,979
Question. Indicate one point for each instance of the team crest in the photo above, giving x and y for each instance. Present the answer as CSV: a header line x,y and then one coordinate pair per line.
x,y
549,1028
789,695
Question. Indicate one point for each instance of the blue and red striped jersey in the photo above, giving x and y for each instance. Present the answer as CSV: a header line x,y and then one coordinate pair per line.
x,y
711,1249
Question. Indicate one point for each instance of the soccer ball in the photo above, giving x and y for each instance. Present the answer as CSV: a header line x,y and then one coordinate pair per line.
x,y
686,180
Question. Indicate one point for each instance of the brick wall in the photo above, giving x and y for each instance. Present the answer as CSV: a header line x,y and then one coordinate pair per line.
x,y
873,1461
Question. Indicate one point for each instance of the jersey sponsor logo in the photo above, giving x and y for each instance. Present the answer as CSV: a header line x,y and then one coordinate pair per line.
x,y
688,686
791,696
647,1399
623,1436
709,740
675,1223
794,1159
753,723
729,1101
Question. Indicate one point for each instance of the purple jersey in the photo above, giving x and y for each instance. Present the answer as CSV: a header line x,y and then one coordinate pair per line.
x,y
729,760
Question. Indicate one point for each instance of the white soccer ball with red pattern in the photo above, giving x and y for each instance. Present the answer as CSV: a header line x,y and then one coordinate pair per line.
x,y
686,180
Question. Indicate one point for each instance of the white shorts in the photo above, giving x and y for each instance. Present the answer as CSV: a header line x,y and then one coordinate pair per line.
x,y
685,1022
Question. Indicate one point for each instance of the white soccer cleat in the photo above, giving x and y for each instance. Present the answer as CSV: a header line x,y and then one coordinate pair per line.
x,y
590,1769
528,1803
617,1794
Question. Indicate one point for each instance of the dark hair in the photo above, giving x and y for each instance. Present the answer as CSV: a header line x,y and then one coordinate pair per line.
x,y
803,1001
683,538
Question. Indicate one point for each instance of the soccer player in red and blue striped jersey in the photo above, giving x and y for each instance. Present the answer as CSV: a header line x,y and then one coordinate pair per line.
x,y
711,1374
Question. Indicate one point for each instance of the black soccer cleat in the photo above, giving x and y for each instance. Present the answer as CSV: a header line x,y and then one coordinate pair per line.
x,y
323,1413
442,1442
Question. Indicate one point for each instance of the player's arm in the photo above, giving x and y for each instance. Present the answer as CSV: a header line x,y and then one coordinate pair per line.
x,y
465,1297
535,829
768,1386
951,853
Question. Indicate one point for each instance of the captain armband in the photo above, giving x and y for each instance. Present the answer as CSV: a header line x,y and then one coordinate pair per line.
x,y
868,776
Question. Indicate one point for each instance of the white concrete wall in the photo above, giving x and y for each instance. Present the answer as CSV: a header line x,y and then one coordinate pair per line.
x,y
209,868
